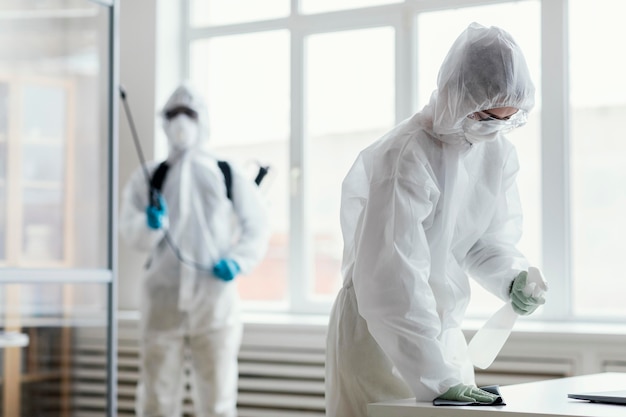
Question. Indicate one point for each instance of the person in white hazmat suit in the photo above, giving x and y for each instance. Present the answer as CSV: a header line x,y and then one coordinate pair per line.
x,y
427,205
189,299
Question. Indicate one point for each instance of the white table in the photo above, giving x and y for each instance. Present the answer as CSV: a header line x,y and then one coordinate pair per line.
x,y
13,339
534,399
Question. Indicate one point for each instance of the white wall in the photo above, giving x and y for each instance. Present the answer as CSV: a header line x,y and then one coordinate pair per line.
x,y
149,71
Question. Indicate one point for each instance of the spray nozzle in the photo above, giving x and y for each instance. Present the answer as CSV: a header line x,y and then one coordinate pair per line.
x,y
122,92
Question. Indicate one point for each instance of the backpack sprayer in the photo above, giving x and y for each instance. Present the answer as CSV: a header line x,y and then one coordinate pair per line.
x,y
155,182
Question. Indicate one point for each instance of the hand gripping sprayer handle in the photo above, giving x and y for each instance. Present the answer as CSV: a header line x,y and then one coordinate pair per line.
x,y
489,339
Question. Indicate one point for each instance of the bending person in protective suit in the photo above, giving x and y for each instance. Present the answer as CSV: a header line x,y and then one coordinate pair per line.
x,y
189,298
431,203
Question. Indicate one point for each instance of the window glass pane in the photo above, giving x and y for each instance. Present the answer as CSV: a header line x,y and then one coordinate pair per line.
x,y
43,107
350,103
436,33
3,225
4,110
598,194
318,6
43,162
18,8
54,134
221,12
43,225
245,79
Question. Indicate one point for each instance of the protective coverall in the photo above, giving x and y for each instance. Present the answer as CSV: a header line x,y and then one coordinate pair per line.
x,y
429,204
187,307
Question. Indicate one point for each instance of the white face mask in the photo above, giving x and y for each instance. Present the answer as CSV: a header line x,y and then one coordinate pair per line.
x,y
482,131
182,132
485,130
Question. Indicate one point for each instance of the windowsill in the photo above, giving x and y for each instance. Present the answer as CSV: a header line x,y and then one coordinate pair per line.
x,y
523,327
557,329
320,320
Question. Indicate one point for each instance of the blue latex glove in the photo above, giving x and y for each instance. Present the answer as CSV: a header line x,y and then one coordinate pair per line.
x,y
470,393
523,303
155,215
226,269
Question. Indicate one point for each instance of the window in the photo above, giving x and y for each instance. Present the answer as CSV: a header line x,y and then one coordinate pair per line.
x,y
245,78
598,150
305,89
220,12
320,6
342,65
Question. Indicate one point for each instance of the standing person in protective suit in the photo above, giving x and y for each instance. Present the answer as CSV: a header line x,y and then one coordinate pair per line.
x,y
199,241
431,203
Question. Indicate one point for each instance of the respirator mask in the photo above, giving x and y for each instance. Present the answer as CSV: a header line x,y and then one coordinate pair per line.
x,y
483,129
181,128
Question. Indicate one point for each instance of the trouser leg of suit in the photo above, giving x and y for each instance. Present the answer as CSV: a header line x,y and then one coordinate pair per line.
x,y
358,372
214,371
159,393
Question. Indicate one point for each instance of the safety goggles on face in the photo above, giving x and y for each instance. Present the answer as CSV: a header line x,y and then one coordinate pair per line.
x,y
171,113
501,123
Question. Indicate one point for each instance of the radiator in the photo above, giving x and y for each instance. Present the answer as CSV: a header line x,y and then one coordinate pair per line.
x,y
281,373
281,369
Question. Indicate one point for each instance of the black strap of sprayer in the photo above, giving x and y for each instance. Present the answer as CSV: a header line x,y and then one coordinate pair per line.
x,y
227,178
262,173
159,175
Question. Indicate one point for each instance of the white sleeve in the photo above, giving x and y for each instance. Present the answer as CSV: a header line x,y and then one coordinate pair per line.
x,y
391,280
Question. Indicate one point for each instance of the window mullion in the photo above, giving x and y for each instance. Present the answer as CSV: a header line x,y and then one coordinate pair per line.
x,y
555,156
300,266
406,68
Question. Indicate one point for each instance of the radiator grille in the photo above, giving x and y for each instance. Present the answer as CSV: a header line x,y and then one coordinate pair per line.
x,y
509,370
287,381
281,374
281,369
614,366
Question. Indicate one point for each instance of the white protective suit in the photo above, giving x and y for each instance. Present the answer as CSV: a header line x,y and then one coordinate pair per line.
x,y
184,307
422,208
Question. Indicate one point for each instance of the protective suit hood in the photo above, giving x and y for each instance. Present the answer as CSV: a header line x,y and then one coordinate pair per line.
x,y
484,69
187,96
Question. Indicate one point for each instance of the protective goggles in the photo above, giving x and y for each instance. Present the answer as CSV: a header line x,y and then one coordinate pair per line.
x,y
171,113
508,123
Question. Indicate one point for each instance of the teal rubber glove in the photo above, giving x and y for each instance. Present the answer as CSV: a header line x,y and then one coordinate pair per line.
x,y
522,302
155,214
226,269
468,393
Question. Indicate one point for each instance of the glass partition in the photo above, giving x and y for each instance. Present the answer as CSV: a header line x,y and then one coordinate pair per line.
x,y
57,272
